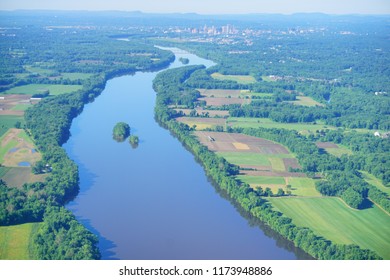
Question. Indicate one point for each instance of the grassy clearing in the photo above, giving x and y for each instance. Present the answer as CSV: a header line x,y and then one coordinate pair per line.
x,y
7,122
247,93
245,158
329,217
374,181
14,241
37,88
21,107
306,101
302,186
38,70
3,171
17,176
262,180
241,79
277,163
338,152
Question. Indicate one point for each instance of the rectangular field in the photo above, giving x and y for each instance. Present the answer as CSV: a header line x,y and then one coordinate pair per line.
x,y
262,180
7,122
331,218
14,241
245,158
372,180
202,123
302,186
241,79
37,88
225,93
306,101
220,101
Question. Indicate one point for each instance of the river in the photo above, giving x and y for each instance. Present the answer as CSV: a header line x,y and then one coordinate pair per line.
x,y
155,201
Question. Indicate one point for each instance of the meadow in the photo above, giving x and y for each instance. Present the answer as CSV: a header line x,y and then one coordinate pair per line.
x,y
7,122
241,79
14,241
332,219
37,88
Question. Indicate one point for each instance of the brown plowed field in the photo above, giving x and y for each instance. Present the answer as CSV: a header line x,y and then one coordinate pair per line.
x,y
215,121
225,93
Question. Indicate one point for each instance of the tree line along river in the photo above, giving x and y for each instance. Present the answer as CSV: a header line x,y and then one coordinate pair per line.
x,y
155,201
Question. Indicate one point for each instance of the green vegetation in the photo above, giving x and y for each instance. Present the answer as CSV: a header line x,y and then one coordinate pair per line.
x,y
239,158
121,131
7,122
329,217
38,88
134,140
262,180
184,60
302,186
76,76
339,151
15,241
372,180
306,101
21,107
303,128
241,79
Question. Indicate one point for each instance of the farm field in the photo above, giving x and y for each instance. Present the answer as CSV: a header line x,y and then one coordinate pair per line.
x,y
17,149
76,76
241,79
304,128
14,241
225,93
372,180
202,123
249,94
334,149
200,112
7,122
306,101
36,88
219,101
331,218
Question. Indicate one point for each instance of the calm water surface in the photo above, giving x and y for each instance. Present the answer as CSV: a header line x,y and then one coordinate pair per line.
x,y
155,201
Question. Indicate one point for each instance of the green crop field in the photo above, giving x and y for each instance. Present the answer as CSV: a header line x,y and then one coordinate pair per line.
x,y
241,79
306,101
262,180
7,122
14,241
372,180
37,88
245,158
332,219
338,152
302,186
277,163
21,107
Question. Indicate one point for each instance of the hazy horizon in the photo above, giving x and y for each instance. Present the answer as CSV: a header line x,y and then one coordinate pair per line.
x,y
213,7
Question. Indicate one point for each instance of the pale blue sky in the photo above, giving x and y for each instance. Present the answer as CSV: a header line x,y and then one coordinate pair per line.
x,y
209,6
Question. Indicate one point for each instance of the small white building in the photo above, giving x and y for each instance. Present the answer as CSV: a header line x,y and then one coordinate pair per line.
x,y
377,134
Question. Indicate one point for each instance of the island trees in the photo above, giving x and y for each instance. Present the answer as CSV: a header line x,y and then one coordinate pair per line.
x,y
121,131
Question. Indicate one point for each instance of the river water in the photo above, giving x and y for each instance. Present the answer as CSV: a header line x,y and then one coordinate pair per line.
x,y
155,201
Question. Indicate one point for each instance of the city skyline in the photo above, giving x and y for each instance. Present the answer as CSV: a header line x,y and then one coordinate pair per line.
x,y
208,7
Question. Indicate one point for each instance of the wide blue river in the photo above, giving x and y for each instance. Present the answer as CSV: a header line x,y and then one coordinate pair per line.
x,y
155,201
